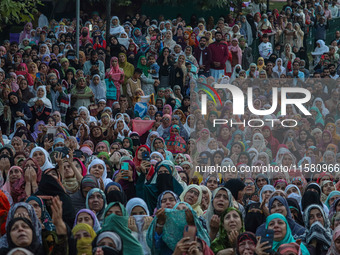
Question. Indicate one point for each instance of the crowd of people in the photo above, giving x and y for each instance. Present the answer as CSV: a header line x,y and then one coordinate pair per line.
x,y
99,153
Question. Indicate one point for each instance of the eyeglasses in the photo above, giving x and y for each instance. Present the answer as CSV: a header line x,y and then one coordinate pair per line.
x,y
249,184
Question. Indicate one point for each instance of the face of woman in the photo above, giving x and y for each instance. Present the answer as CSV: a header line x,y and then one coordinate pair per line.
x,y
279,227
13,99
221,201
85,218
168,201
114,210
40,93
36,208
81,234
191,196
328,188
14,175
138,210
96,132
107,242
278,207
21,234
236,149
326,138
315,215
96,202
39,156
232,221
287,160
122,58
97,170
212,183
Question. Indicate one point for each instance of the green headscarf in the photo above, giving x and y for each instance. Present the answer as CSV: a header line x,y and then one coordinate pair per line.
x,y
288,237
119,225
144,68
173,228
130,149
124,212
222,242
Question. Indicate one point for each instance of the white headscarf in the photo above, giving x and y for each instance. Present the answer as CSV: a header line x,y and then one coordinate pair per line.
x,y
48,162
276,68
98,90
259,145
116,30
84,109
15,127
98,161
324,111
320,50
121,136
46,101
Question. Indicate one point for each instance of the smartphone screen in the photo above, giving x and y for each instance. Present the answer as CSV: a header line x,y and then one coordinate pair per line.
x,y
268,236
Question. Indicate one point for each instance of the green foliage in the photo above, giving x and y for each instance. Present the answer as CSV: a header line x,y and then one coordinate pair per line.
x,y
12,11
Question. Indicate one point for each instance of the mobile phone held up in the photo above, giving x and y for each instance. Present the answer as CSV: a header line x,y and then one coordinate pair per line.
x,y
146,156
190,231
268,236
124,167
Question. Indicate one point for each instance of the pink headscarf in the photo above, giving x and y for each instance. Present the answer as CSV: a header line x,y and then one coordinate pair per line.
x,y
236,49
167,105
87,38
115,72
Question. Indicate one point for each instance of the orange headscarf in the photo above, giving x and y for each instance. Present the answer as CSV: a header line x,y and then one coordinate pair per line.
x,y
4,209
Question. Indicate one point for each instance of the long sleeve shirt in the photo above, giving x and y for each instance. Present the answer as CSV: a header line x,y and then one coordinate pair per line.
x,y
220,53
101,68
203,57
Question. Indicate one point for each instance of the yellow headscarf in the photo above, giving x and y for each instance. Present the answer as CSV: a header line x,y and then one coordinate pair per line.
x,y
260,67
84,245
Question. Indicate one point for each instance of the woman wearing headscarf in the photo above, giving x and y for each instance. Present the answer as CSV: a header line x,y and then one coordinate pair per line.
x,y
16,229
115,28
175,143
127,68
231,223
26,33
116,75
165,177
108,242
283,233
164,129
97,167
127,181
318,233
42,157
84,241
51,185
278,203
221,200
165,63
119,225
335,249
193,196
40,106
167,227
41,212
96,201
140,40
87,183
98,88
278,68
140,220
